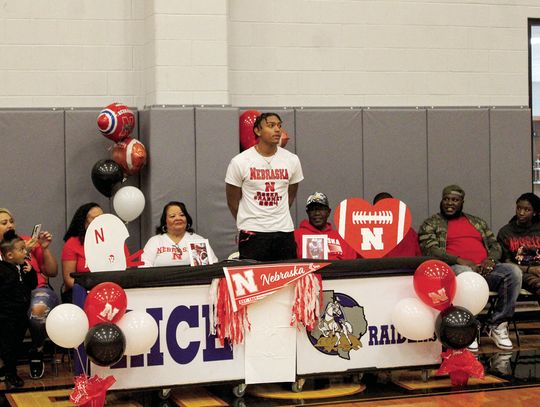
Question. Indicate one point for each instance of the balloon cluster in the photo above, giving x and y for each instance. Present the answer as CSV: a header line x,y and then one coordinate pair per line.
x,y
108,332
116,122
247,137
457,298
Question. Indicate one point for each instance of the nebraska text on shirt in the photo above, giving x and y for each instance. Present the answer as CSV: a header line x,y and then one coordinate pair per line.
x,y
278,173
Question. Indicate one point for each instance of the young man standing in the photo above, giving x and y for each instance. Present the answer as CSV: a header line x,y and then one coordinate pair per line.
x,y
261,185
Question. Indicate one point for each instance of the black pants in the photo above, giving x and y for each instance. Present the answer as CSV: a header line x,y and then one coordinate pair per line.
x,y
269,246
12,332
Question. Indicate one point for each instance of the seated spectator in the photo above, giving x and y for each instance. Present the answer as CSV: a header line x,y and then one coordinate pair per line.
x,y
318,210
170,245
466,242
43,299
520,240
409,246
17,280
73,258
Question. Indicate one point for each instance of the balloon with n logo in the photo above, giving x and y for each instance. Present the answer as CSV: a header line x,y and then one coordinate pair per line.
x,y
106,302
435,284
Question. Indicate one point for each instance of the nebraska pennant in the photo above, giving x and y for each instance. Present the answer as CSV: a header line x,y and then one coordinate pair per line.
x,y
247,284
372,230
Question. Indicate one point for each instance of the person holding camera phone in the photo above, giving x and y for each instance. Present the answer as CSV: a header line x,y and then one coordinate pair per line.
x,y
42,299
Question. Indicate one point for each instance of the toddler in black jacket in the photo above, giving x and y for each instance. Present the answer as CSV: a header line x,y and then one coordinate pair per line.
x,y
17,280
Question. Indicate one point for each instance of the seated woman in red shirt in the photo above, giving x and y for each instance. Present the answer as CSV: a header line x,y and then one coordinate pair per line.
x,y
73,258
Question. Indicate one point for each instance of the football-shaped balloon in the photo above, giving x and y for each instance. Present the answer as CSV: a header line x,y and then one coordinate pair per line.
x,y
130,154
116,122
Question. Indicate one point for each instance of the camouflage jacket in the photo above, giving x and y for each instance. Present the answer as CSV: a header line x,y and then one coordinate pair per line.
x,y
432,238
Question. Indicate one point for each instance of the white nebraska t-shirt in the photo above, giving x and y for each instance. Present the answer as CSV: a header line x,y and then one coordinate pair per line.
x,y
161,251
265,181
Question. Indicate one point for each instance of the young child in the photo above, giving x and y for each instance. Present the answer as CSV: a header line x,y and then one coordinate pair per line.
x,y
17,280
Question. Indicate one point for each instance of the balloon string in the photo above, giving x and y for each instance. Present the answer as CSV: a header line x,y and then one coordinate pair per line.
x,y
81,362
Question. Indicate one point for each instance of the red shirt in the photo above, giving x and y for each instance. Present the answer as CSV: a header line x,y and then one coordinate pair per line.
x,y
37,261
463,240
338,249
74,251
408,247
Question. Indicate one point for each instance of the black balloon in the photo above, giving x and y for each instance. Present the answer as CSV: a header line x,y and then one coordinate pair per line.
x,y
105,344
105,175
456,327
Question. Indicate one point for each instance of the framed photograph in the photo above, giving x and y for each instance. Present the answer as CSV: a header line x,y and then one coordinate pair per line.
x,y
315,247
198,253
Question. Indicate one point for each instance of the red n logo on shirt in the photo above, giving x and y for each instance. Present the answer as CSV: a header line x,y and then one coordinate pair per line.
x,y
270,186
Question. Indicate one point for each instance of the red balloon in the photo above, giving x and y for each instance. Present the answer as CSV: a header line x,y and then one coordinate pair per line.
x,y
247,136
284,138
130,154
435,284
106,302
116,122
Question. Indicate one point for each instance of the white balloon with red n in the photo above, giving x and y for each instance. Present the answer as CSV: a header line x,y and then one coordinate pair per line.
x,y
130,154
372,230
116,122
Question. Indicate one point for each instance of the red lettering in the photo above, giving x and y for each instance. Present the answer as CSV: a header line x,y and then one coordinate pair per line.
x,y
100,236
270,186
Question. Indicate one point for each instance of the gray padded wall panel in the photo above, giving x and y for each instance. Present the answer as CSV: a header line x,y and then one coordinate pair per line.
x,y
216,143
329,144
84,147
32,168
510,161
170,173
395,157
458,153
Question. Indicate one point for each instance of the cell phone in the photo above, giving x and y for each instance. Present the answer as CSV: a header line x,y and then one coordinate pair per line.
x,y
36,231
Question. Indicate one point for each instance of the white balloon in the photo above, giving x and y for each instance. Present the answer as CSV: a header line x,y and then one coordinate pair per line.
x,y
67,325
128,203
413,319
472,292
140,330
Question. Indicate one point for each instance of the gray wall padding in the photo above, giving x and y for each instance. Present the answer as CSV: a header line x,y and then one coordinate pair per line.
x,y
395,157
458,153
48,156
84,146
216,143
329,144
511,161
169,137
32,167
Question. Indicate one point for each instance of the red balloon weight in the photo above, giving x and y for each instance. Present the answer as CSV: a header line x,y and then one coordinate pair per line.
x,y
106,302
284,138
130,154
435,284
116,122
247,137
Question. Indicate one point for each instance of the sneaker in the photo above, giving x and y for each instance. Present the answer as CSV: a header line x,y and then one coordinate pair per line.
x,y
13,380
500,336
473,347
37,367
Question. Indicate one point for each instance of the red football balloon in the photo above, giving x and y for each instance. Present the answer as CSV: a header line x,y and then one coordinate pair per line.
x,y
284,138
116,122
435,284
106,302
130,154
247,137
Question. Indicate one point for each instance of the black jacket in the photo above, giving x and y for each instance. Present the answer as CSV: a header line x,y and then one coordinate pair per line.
x,y
15,289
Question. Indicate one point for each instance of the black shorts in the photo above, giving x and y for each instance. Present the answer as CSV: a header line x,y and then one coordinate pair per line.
x,y
266,246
